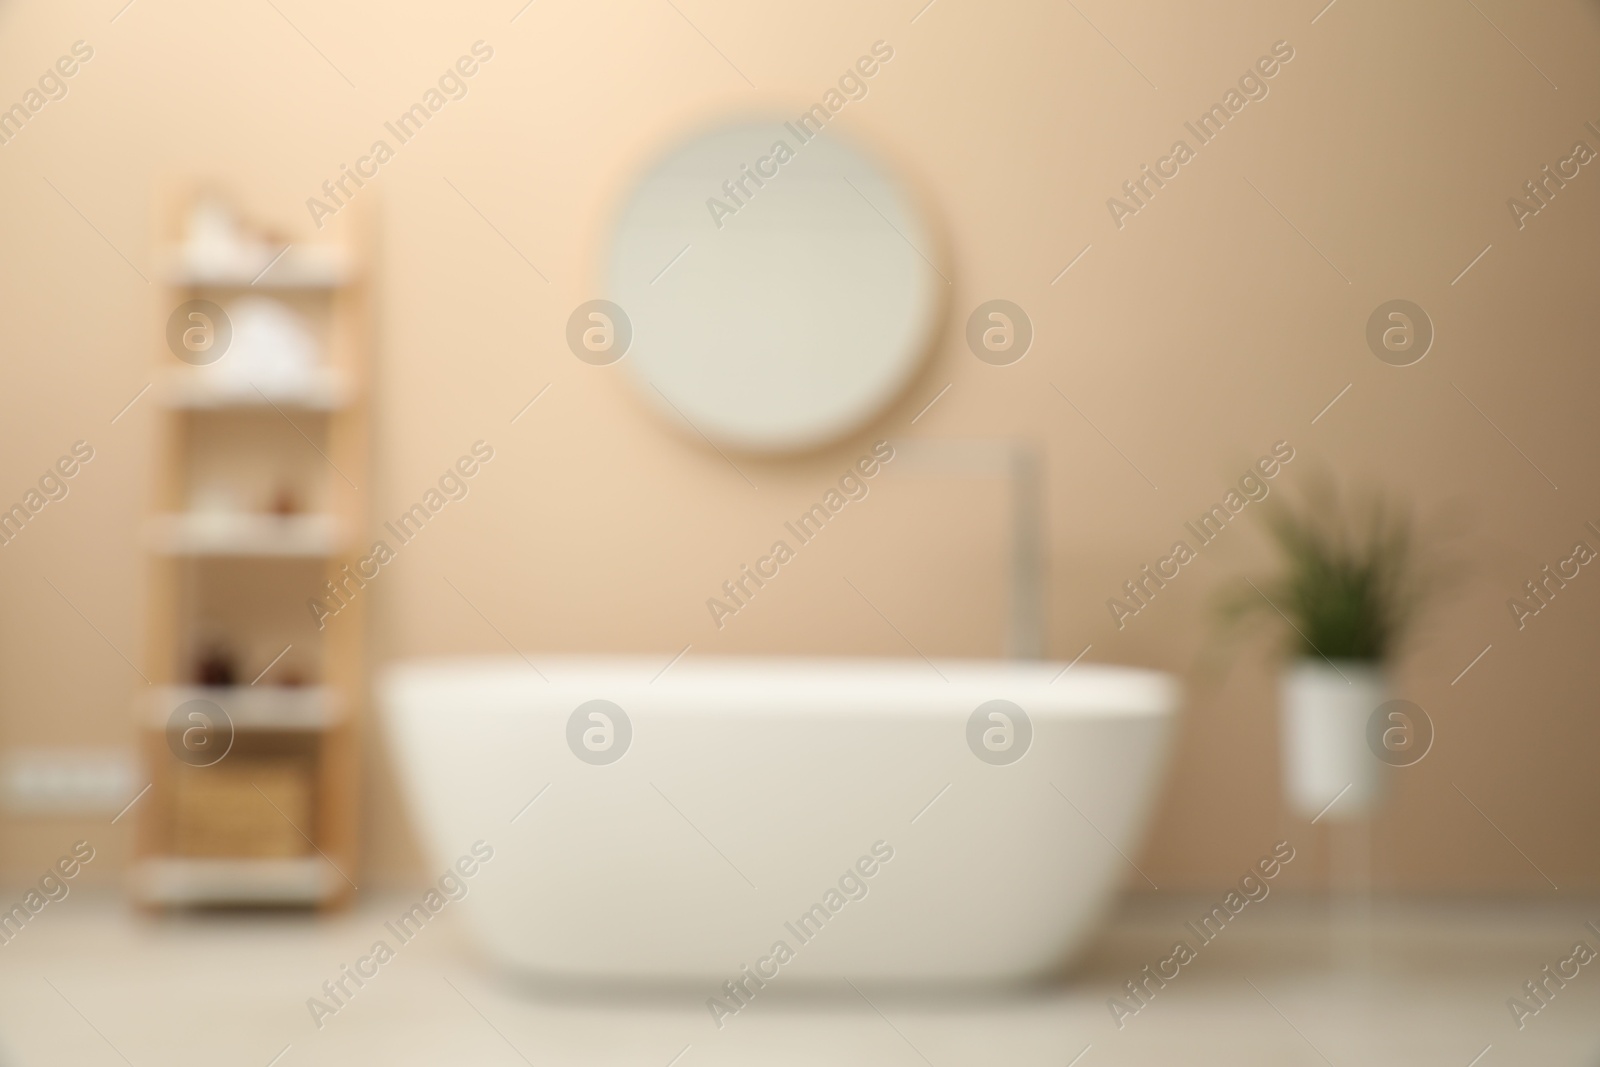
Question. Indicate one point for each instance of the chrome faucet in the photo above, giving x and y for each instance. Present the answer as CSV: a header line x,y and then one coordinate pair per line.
x,y
1022,464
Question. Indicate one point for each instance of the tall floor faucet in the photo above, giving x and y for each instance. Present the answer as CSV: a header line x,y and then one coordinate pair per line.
x,y
1022,464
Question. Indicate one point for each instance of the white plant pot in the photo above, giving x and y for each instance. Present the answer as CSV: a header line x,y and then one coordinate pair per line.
x,y
1325,708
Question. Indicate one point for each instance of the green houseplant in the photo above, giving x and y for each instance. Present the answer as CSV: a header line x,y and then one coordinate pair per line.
x,y
1346,593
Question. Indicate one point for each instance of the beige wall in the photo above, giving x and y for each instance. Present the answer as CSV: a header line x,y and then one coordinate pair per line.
x,y
1196,336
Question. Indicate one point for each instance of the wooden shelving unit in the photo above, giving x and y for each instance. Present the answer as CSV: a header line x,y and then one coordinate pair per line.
x,y
273,821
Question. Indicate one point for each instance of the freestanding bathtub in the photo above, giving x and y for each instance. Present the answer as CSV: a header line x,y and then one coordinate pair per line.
x,y
880,818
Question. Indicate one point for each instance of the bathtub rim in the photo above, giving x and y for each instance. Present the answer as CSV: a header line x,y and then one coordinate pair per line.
x,y
787,684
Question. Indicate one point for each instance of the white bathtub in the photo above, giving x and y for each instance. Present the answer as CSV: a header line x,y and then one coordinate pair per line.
x,y
752,787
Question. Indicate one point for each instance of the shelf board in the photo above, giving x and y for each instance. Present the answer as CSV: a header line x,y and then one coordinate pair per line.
x,y
243,534
202,388
251,707
194,880
300,267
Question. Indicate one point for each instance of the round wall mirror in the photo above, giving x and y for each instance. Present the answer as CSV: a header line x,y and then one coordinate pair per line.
x,y
780,284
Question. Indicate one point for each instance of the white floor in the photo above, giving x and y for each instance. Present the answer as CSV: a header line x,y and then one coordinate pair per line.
x,y
88,983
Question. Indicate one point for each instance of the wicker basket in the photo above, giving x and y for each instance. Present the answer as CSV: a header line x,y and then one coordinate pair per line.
x,y
245,807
